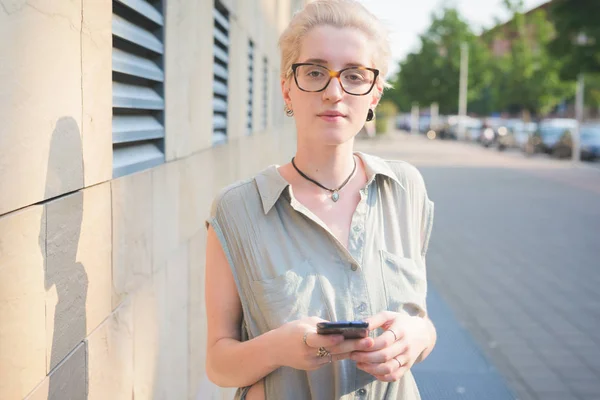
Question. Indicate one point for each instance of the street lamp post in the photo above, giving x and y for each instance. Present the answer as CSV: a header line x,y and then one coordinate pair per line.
x,y
414,119
462,95
579,116
581,40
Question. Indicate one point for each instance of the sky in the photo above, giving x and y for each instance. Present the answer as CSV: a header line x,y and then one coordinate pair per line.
x,y
407,19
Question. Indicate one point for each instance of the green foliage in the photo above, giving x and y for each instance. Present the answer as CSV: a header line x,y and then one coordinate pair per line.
x,y
529,75
576,19
528,78
432,74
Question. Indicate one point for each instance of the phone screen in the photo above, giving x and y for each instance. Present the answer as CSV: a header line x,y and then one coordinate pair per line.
x,y
349,329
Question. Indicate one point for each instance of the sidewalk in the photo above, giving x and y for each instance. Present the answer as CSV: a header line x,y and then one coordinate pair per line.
x,y
513,269
456,369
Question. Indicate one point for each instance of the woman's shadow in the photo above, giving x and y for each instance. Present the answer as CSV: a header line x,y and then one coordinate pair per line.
x,y
59,242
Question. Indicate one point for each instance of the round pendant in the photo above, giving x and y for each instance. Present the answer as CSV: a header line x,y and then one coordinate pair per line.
x,y
335,196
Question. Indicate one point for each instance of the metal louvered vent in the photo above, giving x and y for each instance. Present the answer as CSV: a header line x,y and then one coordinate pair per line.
x,y
250,84
221,72
265,92
138,85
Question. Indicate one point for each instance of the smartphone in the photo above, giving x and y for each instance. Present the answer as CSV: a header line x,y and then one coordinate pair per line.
x,y
349,329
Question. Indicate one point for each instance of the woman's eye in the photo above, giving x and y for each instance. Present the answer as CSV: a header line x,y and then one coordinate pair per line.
x,y
355,77
315,74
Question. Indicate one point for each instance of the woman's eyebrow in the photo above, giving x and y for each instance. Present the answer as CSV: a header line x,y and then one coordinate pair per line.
x,y
321,61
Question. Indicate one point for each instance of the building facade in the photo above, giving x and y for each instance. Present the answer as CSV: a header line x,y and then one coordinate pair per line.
x,y
121,119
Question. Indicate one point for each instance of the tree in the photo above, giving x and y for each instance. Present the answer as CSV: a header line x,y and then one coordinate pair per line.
x,y
397,95
575,20
432,74
577,46
527,78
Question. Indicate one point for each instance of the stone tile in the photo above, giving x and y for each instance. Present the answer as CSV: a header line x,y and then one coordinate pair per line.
x,y
171,294
132,233
224,165
148,317
95,253
165,212
66,278
237,106
162,378
96,48
78,269
40,102
177,322
195,195
188,103
197,313
22,299
110,356
577,372
67,381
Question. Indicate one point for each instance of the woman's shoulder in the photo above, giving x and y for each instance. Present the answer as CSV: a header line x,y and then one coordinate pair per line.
x,y
241,195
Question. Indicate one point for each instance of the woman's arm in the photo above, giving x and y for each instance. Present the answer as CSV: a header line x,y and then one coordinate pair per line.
x,y
229,362
232,363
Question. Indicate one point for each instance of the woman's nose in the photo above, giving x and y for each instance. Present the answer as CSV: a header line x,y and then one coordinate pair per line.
x,y
333,91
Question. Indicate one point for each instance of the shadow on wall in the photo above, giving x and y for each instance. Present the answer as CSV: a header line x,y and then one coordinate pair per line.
x,y
66,280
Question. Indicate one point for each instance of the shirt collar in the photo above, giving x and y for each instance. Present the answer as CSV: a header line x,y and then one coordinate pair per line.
x,y
271,184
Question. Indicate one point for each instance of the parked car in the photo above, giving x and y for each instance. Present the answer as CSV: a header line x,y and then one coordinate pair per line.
x,y
517,134
450,128
548,135
590,142
589,139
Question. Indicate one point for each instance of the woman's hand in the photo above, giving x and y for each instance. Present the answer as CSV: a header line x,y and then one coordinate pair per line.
x,y
297,344
397,348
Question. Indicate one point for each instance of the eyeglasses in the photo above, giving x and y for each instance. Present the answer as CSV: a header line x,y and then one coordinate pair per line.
x,y
357,81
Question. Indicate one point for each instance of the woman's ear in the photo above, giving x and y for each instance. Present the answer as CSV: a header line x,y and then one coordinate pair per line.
x,y
377,93
285,90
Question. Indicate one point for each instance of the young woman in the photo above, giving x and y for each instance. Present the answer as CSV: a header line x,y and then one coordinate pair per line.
x,y
334,235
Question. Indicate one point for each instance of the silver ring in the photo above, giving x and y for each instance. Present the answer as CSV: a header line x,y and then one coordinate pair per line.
x,y
330,358
399,363
393,333
304,337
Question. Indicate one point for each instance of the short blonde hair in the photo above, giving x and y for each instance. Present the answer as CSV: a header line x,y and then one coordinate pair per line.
x,y
340,14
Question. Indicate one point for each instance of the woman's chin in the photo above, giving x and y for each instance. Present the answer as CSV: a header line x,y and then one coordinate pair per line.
x,y
336,136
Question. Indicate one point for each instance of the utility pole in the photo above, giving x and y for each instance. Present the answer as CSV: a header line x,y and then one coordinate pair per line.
x,y
576,137
434,116
462,96
414,120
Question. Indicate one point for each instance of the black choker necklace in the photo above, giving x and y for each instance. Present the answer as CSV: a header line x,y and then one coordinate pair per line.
x,y
335,196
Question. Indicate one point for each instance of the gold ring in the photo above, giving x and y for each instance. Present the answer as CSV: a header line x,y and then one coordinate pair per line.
x,y
304,337
393,333
322,352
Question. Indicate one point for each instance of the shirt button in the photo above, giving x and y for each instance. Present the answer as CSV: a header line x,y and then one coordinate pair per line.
x,y
362,391
354,267
362,307
356,228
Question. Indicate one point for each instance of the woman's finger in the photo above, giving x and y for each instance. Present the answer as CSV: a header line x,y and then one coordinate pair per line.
x,y
333,358
383,355
379,319
316,340
386,368
350,345
394,376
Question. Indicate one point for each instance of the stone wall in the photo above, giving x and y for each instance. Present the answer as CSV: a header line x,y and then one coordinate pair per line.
x,y
101,279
